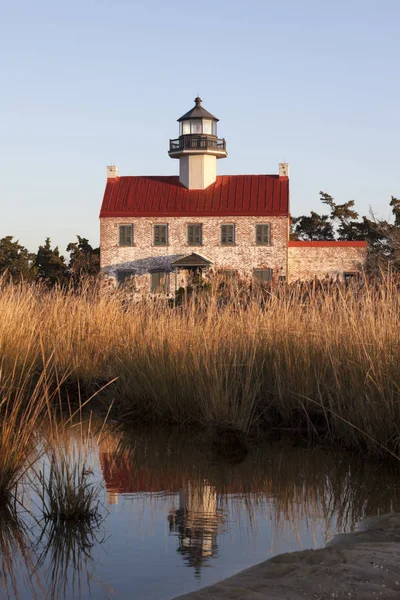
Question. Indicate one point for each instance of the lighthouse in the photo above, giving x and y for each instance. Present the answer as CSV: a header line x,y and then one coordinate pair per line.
x,y
197,148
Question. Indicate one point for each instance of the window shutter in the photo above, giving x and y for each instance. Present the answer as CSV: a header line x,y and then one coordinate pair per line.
x,y
227,235
194,234
126,235
126,277
263,274
223,234
262,233
160,281
160,235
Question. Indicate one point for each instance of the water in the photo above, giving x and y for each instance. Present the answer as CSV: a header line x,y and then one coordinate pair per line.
x,y
175,520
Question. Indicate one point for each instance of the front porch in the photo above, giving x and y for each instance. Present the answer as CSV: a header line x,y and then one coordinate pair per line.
x,y
193,267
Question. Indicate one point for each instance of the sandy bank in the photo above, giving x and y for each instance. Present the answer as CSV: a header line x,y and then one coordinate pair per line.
x,y
363,565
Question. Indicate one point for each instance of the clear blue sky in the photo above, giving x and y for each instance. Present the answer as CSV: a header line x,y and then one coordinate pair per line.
x,y
92,82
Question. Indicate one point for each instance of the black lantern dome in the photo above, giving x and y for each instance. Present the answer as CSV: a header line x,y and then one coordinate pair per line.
x,y
198,133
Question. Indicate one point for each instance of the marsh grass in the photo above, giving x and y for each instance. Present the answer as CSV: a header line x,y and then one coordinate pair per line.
x,y
320,361
66,491
24,404
65,485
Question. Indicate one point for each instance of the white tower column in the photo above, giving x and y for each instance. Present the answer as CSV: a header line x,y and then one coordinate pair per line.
x,y
197,172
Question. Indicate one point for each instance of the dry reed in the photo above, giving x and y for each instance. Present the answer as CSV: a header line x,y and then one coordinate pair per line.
x,y
323,360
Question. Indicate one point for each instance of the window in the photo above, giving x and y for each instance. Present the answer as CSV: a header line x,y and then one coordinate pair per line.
x,y
126,278
196,125
185,127
126,235
160,282
207,126
214,127
195,234
262,234
227,235
230,275
351,276
263,275
160,235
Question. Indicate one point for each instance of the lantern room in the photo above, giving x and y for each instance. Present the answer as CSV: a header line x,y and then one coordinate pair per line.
x,y
198,121
198,132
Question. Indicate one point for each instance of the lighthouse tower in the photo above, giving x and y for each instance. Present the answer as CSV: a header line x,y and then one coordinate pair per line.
x,y
197,148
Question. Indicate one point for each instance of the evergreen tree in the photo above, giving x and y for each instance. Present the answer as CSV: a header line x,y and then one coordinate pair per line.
x,y
343,216
16,261
84,260
313,228
51,265
395,204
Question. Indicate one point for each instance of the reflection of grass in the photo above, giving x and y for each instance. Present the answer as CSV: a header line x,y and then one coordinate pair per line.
x,y
16,563
65,551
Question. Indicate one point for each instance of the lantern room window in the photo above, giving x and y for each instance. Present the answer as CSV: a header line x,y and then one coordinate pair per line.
x,y
198,126
207,126
185,127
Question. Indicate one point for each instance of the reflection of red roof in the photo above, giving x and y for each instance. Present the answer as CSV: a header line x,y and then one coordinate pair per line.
x,y
119,478
236,195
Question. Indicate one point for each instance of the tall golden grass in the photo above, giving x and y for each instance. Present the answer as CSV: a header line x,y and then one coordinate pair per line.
x,y
320,360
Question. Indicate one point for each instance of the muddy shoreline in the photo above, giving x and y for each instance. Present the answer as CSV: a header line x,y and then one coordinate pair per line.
x,y
362,565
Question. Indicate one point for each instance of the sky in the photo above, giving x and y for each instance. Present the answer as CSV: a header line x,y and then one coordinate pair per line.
x,y
89,83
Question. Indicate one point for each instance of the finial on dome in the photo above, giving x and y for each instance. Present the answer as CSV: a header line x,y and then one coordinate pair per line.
x,y
198,101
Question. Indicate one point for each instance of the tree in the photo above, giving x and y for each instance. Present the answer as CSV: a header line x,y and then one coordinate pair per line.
x,y
395,204
343,216
16,261
313,228
51,265
84,260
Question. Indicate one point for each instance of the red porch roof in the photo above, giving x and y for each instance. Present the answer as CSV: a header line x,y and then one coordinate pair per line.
x,y
235,195
326,244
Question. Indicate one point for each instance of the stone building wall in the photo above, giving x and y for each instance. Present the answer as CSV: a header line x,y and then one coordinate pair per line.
x,y
320,259
143,257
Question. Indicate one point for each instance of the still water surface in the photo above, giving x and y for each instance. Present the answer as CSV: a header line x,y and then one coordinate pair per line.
x,y
175,520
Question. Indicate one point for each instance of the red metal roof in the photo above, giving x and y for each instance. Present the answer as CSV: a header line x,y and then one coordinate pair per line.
x,y
326,244
236,195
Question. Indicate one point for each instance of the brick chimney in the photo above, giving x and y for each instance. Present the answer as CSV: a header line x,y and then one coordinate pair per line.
x,y
112,172
284,169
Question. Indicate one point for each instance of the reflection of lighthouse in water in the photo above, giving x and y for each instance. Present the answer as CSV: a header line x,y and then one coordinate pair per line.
x,y
196,522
